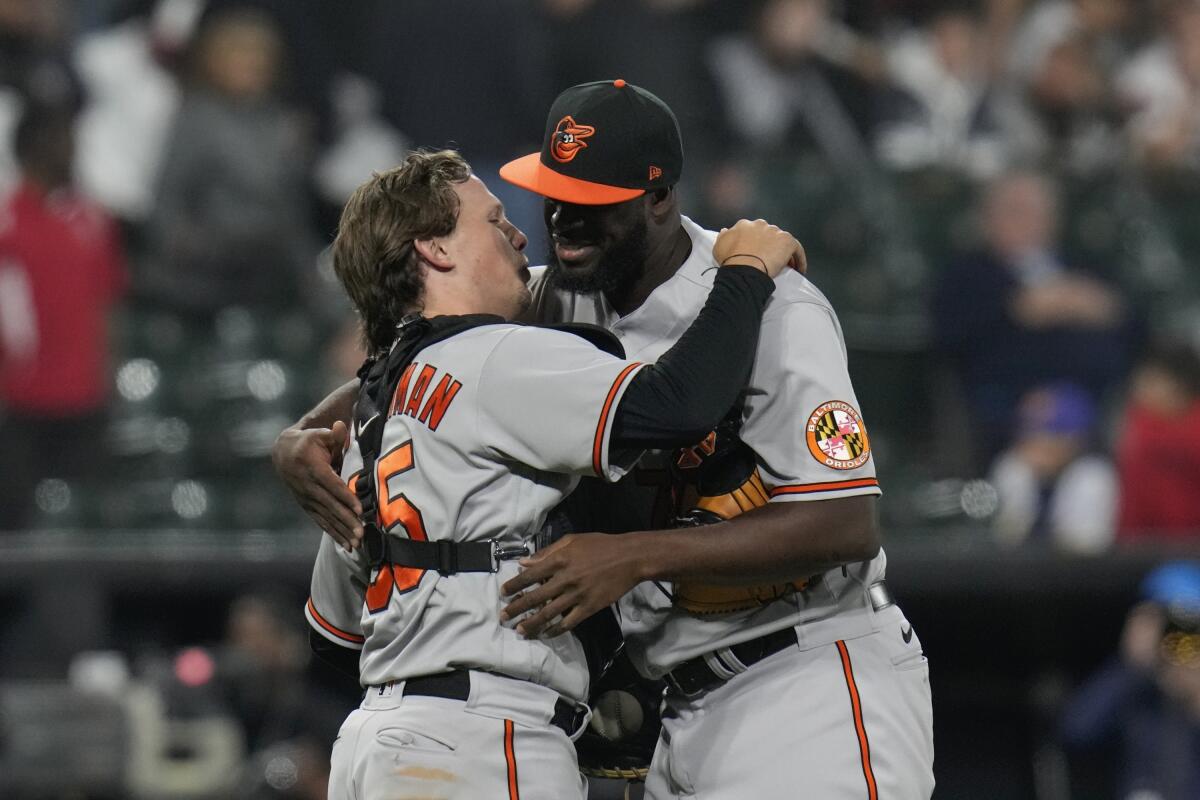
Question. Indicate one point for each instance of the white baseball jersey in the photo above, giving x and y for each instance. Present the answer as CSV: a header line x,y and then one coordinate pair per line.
x,y
801,419
487,431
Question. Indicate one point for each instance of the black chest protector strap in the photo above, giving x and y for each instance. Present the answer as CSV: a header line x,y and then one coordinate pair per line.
x,y
379,377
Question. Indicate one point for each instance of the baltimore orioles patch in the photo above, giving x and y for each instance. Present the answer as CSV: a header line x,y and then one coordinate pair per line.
x,y
568,139
837,437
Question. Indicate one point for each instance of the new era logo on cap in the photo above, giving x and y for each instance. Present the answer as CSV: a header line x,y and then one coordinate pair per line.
x,y
605,142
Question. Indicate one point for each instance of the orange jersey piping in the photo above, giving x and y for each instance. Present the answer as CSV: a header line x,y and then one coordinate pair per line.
x,y
605,412
831,486
338,632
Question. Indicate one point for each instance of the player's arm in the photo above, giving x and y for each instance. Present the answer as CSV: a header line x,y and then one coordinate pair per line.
x,y
680,398
307,455
584,573
334,607
554,402
775,543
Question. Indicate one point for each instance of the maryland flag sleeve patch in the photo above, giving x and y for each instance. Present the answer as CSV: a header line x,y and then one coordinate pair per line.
x,y
837,437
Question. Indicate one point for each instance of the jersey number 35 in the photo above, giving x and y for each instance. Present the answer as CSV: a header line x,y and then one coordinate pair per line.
x,y
395,510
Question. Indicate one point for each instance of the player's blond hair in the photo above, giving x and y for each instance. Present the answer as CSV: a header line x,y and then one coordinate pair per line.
x,y
373,254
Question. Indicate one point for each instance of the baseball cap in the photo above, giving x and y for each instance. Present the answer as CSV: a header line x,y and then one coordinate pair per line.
x,y
605,142
1175,584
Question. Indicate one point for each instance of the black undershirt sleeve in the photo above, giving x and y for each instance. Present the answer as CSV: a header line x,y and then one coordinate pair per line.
x,y
678,400
343,659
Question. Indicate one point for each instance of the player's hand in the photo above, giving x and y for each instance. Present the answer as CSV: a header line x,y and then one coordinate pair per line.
x,y
578,575
759,244
306,461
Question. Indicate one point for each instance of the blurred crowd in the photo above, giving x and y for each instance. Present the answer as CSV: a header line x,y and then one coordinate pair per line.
x,y
997,195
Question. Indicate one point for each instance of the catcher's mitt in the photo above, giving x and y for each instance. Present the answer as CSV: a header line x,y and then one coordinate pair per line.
x,y
723,474
620,739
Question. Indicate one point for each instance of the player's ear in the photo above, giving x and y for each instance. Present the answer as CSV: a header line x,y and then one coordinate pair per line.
x,y
433,252
662,203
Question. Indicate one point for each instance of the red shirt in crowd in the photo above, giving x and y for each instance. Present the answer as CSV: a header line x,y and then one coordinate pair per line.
x,y
61,271
1159,463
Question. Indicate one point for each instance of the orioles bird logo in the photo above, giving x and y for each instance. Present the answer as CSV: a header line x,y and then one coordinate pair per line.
x,y
568,139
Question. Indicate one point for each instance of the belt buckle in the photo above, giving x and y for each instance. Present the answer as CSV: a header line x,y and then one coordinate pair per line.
x,y
506,553
880,595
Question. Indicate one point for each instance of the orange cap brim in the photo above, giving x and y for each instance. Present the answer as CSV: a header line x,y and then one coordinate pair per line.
x,y
530,173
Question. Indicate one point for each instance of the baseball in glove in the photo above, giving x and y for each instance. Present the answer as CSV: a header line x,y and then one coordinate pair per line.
x,y
619,741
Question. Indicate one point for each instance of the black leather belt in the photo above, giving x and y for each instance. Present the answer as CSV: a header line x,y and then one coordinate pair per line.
x,y
712,669
457,686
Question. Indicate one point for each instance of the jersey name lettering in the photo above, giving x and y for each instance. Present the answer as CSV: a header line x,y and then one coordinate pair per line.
x,y
414,398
